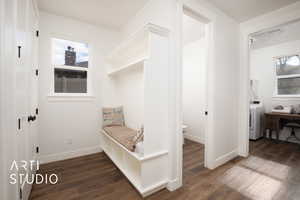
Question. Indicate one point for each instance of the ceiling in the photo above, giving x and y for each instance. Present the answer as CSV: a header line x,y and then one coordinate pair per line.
x,y
242,10
110,13
116,13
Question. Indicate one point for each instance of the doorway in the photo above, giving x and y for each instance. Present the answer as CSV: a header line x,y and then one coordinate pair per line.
x,y
195,32
273,64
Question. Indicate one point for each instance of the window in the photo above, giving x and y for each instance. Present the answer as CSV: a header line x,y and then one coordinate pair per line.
x,y
288,75
70,81
71,65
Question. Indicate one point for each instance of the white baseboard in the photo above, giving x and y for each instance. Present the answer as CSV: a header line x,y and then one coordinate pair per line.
x,y
174,185
154,188
193,138
225,158
70,154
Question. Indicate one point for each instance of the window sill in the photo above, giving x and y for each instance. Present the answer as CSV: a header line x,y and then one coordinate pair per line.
x,y
70,97
286,97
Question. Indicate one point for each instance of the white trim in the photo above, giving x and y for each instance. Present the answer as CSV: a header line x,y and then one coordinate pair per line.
x,y
225,158
154,188
36,9
157,29
193,138
278,17
69,154
286,97
174,185
288,76
71,67
176,150
278,96
137,63
58,97
209,22
177,70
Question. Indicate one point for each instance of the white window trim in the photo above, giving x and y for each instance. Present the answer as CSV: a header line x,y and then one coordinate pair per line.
x,y
70,96
276,95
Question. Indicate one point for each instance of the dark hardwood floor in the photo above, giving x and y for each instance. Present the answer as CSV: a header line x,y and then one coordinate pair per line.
x,y
272,171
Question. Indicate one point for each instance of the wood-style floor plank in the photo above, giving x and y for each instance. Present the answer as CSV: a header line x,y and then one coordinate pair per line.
x,y
271,172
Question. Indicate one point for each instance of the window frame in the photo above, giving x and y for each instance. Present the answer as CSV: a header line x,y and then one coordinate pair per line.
x,y
88,93
277,77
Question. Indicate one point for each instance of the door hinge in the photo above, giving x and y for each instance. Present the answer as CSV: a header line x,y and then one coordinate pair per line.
x,y
21,193
19,124
19,51
36,111
37,150
37,33
36,72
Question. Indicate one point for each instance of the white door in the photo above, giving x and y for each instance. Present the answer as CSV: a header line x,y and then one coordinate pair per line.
x,y
26,91
21,79
33,81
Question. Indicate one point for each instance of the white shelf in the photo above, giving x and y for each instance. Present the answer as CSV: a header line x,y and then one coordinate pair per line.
x,y
134,49
137,37
133,65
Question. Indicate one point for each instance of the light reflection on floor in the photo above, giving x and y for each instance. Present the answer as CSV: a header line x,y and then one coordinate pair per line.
x,y
257,178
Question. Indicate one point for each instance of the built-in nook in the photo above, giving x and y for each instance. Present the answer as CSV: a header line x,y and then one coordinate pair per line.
x,y
137,69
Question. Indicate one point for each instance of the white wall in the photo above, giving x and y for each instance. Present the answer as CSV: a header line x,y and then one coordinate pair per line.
x,y
193,30
70,127
262,69
129,87
193,89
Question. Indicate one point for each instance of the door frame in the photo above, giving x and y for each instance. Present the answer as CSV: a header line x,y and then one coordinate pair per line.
x,y
207,23
282,16
209,137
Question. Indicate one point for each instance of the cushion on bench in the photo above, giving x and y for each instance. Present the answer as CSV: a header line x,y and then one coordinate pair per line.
x,y
124,135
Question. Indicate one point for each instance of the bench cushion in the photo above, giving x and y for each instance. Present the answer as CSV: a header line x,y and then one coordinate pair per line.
x,y
123,135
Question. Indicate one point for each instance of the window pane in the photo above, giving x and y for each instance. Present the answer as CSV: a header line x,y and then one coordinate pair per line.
x,y
289,86
288,65
70,53
70,81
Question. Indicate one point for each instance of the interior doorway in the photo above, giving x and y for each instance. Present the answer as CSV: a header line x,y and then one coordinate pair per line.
x,y
274,74
195,34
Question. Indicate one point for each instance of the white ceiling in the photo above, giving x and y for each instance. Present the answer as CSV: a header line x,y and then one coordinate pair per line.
x,y
116,13
109,13
242,10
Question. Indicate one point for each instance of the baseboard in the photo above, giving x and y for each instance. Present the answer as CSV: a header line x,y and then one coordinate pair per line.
x,y
154,188
174,185
193,138
225,158
70,154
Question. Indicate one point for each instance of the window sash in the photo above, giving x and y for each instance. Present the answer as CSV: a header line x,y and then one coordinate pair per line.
x,y
285,77
70,67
